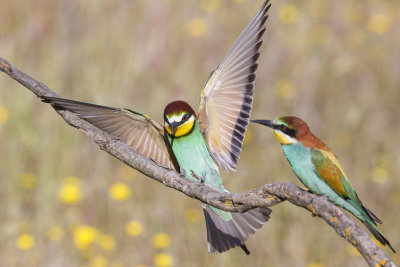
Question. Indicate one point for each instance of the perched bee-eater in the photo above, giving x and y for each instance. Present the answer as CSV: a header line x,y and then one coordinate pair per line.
x,y
319,169
196,145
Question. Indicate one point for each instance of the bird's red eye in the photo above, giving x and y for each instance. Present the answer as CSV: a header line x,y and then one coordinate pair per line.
x,y
166,119
186,117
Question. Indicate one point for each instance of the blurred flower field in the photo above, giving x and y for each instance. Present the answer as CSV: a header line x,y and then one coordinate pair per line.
x,y
64,202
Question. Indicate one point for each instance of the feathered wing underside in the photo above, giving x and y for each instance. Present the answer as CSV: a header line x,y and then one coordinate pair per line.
x,y
227,98
225,234
134,128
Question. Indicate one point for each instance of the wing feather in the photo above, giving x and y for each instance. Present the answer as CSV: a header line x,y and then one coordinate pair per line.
x,y
328,168
137,130
227,98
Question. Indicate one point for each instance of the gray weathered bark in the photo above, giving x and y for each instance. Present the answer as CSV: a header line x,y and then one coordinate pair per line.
x,y
265,196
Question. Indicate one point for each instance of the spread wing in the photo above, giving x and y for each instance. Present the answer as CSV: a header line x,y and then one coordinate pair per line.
x,y
328,168
139,131
227,98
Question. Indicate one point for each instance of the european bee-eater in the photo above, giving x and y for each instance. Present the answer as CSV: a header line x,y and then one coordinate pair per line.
x,y
319,169
196,145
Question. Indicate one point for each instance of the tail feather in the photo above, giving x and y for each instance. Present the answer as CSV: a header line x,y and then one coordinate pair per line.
x,y
369,212
223,235
378,235
369,219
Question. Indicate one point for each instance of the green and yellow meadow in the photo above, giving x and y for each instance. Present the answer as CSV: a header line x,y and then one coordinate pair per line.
x,y
64,202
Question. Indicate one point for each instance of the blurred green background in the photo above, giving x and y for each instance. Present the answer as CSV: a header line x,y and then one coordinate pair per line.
x,y
64,202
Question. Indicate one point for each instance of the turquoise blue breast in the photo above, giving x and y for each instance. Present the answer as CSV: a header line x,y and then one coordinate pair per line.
x,y
299,158
192,155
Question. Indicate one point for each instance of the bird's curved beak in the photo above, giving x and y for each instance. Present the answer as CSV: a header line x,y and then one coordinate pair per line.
x,y
174,126
267,123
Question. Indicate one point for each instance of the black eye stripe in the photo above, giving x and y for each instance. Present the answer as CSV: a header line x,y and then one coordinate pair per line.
x,y
286,130
291,132
186,116
166,120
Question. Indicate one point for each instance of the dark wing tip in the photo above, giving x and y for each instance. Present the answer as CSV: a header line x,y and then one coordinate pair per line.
x,y
382,239
223,235
49,99
72,105
243,246
243,119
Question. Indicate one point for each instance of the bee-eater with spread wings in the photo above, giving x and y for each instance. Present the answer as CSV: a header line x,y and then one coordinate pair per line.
x,y
195,144
319,169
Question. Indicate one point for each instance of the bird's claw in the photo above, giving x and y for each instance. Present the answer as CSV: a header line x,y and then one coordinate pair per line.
x,y
198,178
325,197
183,173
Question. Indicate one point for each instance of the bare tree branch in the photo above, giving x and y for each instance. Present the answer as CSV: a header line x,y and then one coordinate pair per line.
x,y
265,196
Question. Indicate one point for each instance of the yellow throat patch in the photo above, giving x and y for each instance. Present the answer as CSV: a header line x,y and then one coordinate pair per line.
x,y
182,129
284,139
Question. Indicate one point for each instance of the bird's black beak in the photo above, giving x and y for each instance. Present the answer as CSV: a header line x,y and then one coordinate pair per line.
x,y
174,126
267,123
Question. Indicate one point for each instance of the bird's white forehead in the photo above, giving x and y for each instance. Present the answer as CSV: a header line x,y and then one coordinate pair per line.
x,y
276,121
175,118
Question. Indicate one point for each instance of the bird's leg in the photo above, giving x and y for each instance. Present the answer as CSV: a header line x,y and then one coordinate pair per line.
x,y
308,190
325,197
183,174
200,179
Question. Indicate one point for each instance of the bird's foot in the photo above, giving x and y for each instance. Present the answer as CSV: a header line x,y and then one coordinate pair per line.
x,y
325,197
198,178
183,173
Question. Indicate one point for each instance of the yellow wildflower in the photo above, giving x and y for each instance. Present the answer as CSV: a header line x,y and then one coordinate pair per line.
x,y
379,23
84,235
285,89
197,27
25,241
27,180
380,175
161,240
134,228
98,261
163,260
288,13
55,233
106,242
70,192
119,192
192,215
4,115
